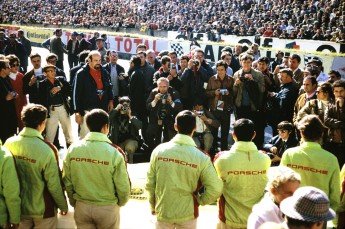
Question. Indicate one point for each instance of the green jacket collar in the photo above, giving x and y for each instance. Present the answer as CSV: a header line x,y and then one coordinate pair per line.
x,y
183,139
96,136
244,146
311,144
30,132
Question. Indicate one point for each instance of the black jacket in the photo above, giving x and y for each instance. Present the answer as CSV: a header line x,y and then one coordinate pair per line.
x,y
134,126
31,90
70,46
44,94
281,146
85,93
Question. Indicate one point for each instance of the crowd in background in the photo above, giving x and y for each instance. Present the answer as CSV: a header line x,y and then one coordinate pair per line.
x,y
286,19
120,112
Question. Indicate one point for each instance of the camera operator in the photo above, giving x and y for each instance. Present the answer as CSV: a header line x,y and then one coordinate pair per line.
x,y
220,101
205,123
163,104
168,70
124,128
249,88
193,80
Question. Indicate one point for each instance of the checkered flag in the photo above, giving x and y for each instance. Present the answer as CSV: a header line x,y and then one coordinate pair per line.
x,y
307,58
177,48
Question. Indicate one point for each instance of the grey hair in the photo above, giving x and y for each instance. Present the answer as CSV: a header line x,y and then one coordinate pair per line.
x,y
280,175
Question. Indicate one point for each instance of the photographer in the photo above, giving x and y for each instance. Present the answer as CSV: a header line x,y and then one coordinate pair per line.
x,y
168,70
163,104
249,88
124,128
220,101
205,124
193,80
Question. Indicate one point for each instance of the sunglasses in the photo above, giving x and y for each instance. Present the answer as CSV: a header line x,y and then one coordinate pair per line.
x,y
282,131
14,65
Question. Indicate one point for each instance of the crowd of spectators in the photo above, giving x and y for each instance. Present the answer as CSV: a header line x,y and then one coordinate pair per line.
x,y
286,19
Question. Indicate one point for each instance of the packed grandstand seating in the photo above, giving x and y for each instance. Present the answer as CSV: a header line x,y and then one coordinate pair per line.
x,y
291,19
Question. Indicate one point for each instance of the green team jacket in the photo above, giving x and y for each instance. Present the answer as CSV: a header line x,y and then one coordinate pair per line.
x,y
243,170
40,176
95,172
317,167
177,168
342,189
9,189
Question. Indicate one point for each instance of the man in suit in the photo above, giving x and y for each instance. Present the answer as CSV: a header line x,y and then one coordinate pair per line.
x,y
117,76
152,60
32,77
16,48
73,50
83,43
294,62
93,41
57,47
27,44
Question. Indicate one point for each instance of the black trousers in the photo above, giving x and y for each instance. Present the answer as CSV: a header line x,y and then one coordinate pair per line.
x,y
224,118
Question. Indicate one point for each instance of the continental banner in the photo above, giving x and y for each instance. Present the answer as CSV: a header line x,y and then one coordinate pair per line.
x,y
38,35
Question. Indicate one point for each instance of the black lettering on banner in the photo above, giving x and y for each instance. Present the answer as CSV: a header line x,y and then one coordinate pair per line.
x,y
199,36
269,55
326,47
181,36
209,55
245,41
219,52
267,42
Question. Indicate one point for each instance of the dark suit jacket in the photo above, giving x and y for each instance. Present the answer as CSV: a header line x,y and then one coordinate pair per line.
x,y
69,48
31,90
281,147
56,47
298,77
123,84
84,45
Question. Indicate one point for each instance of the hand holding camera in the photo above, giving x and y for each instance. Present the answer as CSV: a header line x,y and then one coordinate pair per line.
x,y
157,97
55,90
223,91
122,76
33,80
11,95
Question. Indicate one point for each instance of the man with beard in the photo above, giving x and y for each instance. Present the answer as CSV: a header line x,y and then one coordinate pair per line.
x,y
91,89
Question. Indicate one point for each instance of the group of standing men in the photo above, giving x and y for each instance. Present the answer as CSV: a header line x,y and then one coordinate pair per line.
x,y
157,100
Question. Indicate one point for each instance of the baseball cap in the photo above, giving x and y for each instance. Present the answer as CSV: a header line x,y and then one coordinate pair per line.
x,y
75,33
308,204
315,59
100,39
